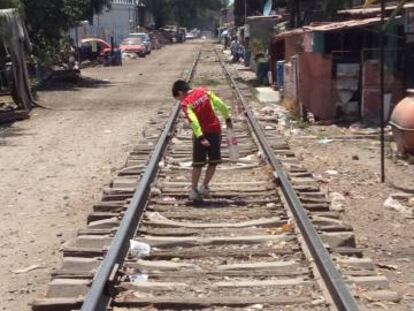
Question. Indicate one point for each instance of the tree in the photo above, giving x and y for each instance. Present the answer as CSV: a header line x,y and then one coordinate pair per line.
x,y
48,22
160,9
5,4
254,7
188,13
301,11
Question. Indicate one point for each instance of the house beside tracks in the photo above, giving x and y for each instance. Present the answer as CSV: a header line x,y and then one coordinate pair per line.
x,y
332,69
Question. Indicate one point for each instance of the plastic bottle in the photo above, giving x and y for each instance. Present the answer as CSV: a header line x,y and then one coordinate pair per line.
x,y
233,146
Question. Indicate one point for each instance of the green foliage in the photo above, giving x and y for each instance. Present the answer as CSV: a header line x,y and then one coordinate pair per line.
x,y
395,14
253,8
7,4
187,13
302,11
257,47
160,9
49,21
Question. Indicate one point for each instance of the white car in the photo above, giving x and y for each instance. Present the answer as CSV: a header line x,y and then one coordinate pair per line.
x,y
189,36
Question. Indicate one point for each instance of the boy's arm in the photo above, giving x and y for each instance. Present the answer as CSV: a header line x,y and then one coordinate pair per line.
x,y
220,106
195,124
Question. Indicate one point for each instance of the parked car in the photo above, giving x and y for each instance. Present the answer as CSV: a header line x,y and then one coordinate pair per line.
x,y
171,32
133,45
189,36
193,34
145,38
94,49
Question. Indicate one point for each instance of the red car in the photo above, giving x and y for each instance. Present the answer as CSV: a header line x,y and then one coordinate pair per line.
x,y
94,48
133,45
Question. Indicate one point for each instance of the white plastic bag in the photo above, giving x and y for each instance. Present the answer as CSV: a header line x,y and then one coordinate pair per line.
x,y
233,145
139,249
394,204
139,278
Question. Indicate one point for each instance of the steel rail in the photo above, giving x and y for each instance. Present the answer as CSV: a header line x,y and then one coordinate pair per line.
x,y
338,290
100,294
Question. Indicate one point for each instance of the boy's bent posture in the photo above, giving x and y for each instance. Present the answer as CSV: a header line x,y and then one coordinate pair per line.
x,y
200,107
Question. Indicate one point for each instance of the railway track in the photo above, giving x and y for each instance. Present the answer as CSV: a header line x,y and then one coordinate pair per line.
x,y
265,240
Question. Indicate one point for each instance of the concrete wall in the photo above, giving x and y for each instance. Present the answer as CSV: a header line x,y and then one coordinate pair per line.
x,y
290,86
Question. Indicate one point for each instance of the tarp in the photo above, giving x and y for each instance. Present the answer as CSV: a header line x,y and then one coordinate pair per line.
x,y
14,37
268,8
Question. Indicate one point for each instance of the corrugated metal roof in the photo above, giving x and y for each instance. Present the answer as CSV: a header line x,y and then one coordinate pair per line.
x,y
332,26
373,9
346,24
291,33
261,17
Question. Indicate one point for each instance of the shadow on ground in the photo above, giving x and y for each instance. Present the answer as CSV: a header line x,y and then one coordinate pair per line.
x,y
7,131
74,84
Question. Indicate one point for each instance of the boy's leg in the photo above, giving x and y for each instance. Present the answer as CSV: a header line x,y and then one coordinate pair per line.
x,y
214,157
196,176
199,160
211,170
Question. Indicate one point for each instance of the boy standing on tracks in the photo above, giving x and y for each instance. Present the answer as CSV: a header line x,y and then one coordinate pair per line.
x,y
200,107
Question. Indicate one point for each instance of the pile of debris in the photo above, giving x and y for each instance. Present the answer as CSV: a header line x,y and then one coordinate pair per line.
x,y
401,202
7,104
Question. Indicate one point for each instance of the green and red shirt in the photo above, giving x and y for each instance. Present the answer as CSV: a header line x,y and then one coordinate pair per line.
x,y
200,107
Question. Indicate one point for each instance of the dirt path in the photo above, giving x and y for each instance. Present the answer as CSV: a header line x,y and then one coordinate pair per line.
x,y
385,235
53,166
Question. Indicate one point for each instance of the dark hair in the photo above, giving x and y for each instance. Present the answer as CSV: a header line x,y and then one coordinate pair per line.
x,y
178,86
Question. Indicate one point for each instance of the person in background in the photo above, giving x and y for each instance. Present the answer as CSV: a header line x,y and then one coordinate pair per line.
x,y
241,52
200,107
226,38
74,56
235,49
262,61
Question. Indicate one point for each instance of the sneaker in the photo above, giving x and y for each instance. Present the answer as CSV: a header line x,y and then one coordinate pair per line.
x,y
195,195
204,191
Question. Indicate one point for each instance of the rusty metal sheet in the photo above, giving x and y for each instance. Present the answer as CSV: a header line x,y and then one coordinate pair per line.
x,y
330,26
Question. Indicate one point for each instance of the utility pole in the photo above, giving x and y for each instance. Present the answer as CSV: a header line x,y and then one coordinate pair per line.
x,y
295,19
245,11
382,92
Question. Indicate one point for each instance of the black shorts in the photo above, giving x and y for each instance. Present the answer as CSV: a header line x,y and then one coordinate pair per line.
x,y
201,153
